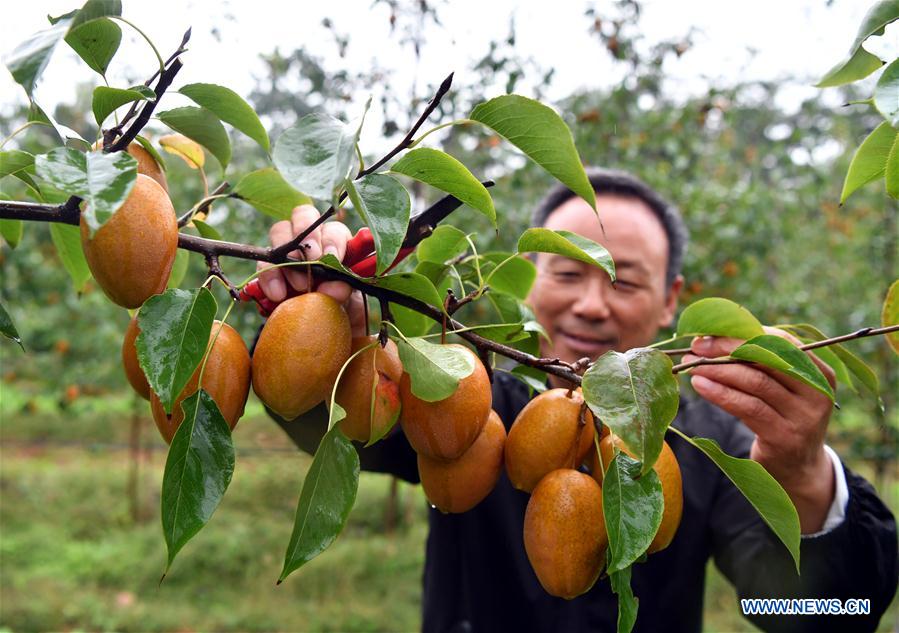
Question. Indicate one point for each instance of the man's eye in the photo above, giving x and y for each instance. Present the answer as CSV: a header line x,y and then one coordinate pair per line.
x,y
567,275
624,284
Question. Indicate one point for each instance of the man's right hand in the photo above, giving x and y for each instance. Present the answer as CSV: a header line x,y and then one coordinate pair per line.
x,y
329,238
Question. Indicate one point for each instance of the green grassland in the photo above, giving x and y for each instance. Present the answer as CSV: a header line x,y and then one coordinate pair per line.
x,y
81,547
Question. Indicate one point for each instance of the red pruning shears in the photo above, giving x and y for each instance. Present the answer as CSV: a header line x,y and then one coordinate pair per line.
x,y
360,255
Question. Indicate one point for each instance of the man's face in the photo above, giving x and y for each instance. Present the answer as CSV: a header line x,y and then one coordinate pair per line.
x,y
576,303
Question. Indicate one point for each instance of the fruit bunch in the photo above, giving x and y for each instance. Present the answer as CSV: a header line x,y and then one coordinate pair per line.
x,y
305,347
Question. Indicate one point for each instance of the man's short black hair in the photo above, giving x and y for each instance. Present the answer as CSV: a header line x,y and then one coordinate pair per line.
x,y
613,181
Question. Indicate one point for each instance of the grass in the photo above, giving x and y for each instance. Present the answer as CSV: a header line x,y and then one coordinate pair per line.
x,y
74,557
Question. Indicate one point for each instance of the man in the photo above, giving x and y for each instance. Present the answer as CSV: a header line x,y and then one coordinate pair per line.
x,y
477,577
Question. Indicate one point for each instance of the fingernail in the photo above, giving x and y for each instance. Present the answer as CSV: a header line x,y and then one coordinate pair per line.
x,y
704,343
701,383
330,249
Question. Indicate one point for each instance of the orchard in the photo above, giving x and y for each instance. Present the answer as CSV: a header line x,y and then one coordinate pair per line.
x,y
606,489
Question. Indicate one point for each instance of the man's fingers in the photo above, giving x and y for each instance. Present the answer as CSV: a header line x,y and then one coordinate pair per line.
x,y
339,290
712,346
752,380
301,219
334,238
356,311
755,413
271,282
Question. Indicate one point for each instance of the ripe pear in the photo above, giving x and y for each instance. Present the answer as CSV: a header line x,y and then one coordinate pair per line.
x,y
133,372
565,532
461,484
547,435
132,254
354,391
668,470
446,428
226,378
146,164
300,351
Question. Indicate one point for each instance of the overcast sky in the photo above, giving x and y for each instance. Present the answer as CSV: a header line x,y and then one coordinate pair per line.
x,y
765,39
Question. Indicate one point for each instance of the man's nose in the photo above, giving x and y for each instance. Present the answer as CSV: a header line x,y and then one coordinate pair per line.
x,y
592,304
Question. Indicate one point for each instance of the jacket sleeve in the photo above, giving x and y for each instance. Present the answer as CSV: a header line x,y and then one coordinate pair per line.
x,y
857,559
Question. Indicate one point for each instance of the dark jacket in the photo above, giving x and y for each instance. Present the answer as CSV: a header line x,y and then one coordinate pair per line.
x,y
477,576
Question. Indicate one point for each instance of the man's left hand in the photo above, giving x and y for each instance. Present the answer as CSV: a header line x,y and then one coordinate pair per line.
x,y
788,417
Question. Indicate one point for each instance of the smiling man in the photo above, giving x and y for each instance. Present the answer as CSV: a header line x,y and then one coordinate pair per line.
x,y
477,576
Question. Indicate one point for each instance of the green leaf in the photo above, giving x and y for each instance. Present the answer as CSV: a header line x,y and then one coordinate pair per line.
x,y
886,94
760,489
204,127
95,9
718,317
102,180
889,314
568,244
877,17
316,155
206,230
106,100
635,394
20,165
147,145
67,240
533,378
541,134
8,328
891,174
96,42
179,268
632,505
174,335
410,322
198,470
856,366
411,284
434,370
12,231
28,60
329,492
870,159
444,172
627,602
841,373
782,355
857,66
384,205
266,190
230,108
444,244
512,276
66,134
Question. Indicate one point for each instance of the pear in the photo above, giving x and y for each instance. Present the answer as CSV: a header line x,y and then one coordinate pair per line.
x,y
461,484
565,532
135,375
132,254
377,367
226,378
547,435
446,428
300,351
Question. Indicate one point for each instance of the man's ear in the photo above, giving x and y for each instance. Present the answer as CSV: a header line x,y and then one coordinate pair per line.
x,y
671,299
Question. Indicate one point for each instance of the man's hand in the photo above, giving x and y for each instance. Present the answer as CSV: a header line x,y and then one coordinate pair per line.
x,y
789,419
329,238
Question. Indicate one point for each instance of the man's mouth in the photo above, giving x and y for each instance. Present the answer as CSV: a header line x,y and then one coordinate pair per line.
x,y
586,344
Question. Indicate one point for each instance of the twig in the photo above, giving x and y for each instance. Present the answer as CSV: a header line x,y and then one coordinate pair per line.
x,y
452,304
203,205
215,269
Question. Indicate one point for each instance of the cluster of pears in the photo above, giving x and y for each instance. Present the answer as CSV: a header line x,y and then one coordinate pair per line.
x,y
565,535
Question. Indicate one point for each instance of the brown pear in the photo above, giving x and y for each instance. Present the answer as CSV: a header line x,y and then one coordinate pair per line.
x,y
300,351
226,378
668,470
446,428
373,375
459,485
133,372
565,533
132,254
547,435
